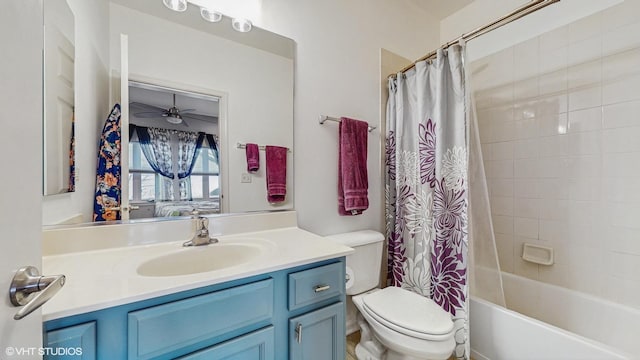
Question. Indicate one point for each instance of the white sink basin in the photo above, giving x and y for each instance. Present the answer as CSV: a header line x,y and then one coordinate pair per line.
x,y
199,259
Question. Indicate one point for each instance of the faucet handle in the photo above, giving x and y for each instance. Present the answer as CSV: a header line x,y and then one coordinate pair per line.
x,y
203,222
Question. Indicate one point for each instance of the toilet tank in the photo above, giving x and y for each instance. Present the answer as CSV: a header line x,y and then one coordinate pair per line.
x,y
364,265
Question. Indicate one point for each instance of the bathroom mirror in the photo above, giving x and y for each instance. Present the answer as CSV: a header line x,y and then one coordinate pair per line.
x,y
59,98
250,74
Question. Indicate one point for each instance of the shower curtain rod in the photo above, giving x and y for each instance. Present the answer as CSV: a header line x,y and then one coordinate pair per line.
x,y
516,14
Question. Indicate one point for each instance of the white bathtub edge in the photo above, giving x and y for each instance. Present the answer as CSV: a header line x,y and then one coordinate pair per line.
x,y
511,323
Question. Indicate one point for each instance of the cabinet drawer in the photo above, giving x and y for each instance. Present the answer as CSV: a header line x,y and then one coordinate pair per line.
x,y
77,342
169,327
259,345
310,286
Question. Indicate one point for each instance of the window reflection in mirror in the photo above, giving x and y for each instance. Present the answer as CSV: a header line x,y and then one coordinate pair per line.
x,y
173,152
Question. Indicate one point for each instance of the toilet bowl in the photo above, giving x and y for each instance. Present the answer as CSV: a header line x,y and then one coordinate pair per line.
x,y
397,324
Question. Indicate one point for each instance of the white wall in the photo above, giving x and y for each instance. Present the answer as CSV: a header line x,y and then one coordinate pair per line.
x,y
482,12
560,131
258,111
338,74
91,108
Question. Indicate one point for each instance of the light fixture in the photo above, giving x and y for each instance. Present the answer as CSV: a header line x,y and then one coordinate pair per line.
x,y
174,118
210,15
241,25
176,5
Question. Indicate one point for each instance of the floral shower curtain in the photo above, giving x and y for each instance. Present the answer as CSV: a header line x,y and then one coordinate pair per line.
x,y
426,185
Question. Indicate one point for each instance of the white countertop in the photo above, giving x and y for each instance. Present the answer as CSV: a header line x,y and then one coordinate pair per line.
x,y
100,279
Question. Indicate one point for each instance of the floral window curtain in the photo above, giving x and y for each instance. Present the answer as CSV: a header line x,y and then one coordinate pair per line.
x,y
426,185
188,145
72,155
213,145
155,144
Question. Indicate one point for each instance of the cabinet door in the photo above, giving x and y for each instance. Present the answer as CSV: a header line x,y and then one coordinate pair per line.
x,y
74,342
259,345
318,335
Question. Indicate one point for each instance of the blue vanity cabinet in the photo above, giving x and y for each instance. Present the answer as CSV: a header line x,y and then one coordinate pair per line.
x,y
244,319
72,342
318,335
259,345
167,328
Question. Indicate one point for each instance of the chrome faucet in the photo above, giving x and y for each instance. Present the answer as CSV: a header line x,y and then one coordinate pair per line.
x,y
201,236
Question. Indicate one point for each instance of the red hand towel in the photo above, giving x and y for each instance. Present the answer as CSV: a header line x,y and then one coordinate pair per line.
x,y
353,183
253,157
276,173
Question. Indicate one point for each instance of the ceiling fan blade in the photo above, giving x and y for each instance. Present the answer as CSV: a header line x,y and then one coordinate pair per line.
x,y
148,114
199,117
184,122
145,106
186,110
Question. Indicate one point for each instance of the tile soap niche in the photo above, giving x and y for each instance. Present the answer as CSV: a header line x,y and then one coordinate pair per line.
x,y
537,254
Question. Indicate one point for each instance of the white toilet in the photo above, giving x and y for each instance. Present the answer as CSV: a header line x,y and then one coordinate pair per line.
x,y
395,324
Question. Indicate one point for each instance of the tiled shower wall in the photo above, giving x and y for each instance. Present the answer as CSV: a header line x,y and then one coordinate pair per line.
x,y
559,120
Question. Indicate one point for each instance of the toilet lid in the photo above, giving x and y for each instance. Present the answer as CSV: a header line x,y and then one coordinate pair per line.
x,y
408,312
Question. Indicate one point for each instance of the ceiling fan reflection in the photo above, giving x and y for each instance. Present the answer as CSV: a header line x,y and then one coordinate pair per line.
x,y
173,115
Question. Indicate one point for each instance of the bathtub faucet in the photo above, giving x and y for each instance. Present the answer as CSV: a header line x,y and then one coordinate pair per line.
x,y
201,236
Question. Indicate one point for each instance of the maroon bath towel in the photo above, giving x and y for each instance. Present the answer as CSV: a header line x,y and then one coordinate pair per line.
x,y
253,157
276,173
353,184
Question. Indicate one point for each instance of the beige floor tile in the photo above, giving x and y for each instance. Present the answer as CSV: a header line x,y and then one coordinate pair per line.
x,y
352,341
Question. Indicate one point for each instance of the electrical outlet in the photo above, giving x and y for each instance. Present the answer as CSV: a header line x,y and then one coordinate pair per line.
x,y
245,178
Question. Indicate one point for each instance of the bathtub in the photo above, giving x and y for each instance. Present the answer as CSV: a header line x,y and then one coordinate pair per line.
x,y
546,322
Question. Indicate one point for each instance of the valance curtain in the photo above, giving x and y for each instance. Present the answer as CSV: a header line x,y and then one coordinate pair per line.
x,y
426,185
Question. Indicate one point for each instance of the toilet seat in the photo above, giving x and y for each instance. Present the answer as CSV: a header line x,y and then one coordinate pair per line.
x,y
417,316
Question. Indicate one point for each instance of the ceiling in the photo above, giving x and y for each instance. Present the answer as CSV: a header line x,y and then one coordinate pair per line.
x,y
162,98
442,8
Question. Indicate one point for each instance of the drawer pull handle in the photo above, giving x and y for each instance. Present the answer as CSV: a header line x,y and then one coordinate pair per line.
x,y
299,333
321,288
